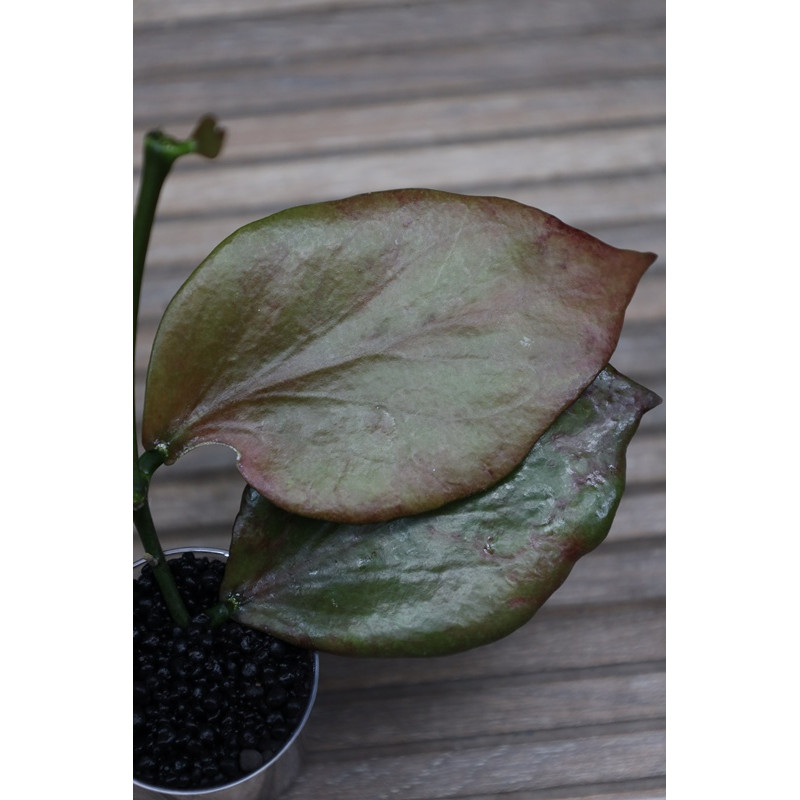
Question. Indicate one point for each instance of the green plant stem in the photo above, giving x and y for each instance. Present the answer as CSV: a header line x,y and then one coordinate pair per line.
x,y
156,166
143,520
160,153
158,562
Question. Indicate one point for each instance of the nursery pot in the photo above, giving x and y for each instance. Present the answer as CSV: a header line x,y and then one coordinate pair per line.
x,y
271,779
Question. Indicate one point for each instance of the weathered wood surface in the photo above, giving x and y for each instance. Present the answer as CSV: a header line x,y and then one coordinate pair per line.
x,y
558,104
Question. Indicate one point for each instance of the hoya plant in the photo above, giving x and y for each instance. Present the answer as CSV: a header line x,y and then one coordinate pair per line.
x,y
418,391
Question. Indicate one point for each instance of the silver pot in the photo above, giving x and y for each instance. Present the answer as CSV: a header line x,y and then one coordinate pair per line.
x,y
270,780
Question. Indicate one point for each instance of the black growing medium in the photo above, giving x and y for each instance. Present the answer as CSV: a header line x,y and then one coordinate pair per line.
x,y
209,705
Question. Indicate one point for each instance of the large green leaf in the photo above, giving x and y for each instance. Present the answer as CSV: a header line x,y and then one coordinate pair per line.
x,y
385,354
442,581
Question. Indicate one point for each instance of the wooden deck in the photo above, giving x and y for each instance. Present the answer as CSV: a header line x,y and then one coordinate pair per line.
x,y
558,104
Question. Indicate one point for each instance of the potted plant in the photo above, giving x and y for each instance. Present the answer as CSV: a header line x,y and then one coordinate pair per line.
x,y
417,387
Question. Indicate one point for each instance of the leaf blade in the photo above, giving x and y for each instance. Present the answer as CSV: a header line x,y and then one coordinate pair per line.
x,y
388,353
450,580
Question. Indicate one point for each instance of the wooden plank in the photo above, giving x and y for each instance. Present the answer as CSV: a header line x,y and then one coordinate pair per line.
x,y
645,789
492,765
640,352
641,513
210,500
554,642
327,34
596,201
378,77
426,122
649,304
148,12
615,574
466,709
645,459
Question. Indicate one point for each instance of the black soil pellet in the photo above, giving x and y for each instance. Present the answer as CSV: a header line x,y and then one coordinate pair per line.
x,y
209,705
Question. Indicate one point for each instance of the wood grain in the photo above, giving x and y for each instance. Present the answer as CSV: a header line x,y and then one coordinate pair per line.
x,y
558,104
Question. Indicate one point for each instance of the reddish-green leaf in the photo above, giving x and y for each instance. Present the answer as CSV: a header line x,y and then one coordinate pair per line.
x,y
442,581
388,353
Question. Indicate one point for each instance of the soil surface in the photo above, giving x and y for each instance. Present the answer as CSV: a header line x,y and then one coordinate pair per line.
x,y
209,705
